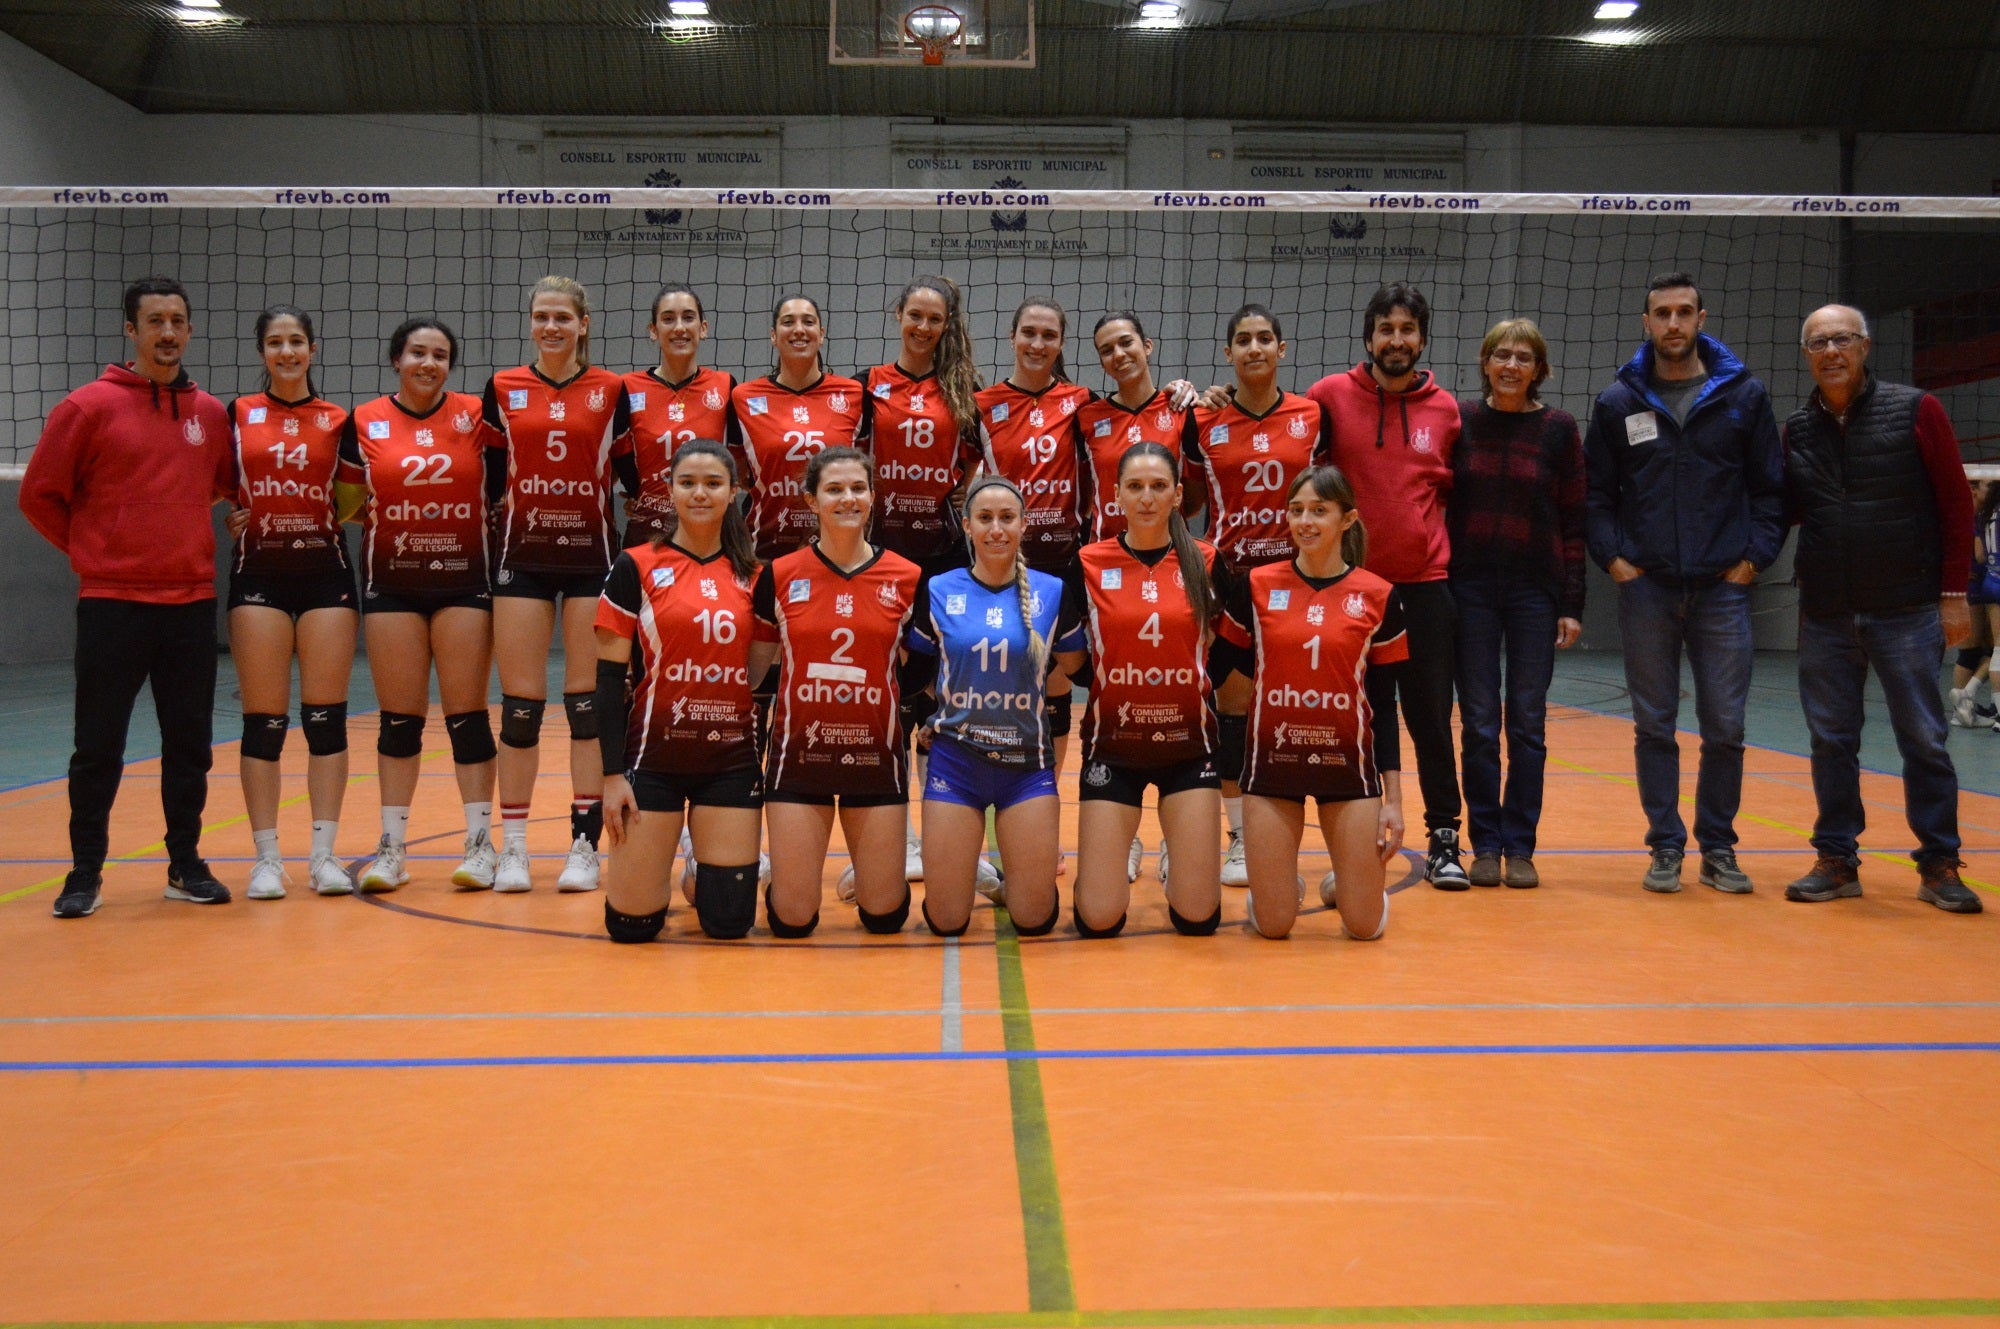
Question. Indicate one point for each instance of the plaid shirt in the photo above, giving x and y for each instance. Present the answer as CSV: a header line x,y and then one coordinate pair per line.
x,y
1517,499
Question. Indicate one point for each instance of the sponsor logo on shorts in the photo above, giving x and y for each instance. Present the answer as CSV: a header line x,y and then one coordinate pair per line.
x,y
1097,775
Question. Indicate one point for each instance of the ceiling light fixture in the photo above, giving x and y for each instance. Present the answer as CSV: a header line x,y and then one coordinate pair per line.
x,y
1613,10
688,8
1615,37
1159,14
193,12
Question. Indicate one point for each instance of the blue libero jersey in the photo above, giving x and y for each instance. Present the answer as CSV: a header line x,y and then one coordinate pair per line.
x,y
990,686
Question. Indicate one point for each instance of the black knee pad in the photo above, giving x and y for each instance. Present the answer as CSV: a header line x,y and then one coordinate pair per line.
x,y
1084,929
725,900
581,708
471,737
779,927
631,929
521,721
1041,929
264,735
326,728
1235,734
1059,711
1969,657
402,735
937,931
883,925
1195,927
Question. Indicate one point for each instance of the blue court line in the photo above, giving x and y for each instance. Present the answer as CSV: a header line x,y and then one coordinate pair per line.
x,y
984,1055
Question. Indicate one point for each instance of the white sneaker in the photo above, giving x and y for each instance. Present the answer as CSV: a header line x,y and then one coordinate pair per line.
x,y
686,852
988,881
763,871
476,872
913,857
1302,888
267,880
1962,706
1326,890
510,873
1133,858
386,872
329,877
843,890
1234,871
1163,862
580,868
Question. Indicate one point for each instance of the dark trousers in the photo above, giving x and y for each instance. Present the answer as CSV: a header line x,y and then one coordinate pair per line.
x,y
1423,687
1515,621
121,644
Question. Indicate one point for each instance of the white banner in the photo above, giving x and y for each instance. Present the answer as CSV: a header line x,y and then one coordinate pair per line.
x,y
1361,164
575,157
999,168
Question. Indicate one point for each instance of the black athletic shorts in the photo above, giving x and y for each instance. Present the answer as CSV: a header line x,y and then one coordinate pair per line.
x,y
872,799
513,584
1127,784
389,602
739,787
294,593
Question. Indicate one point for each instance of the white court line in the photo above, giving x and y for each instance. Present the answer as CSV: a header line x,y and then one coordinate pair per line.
x,y
952,1007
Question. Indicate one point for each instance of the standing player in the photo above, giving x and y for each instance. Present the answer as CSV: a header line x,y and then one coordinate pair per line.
x,y
564,422
837,608
1249,450
413,465
674,403
787,417
920,421
291,591
1135,412
674,619
1307,630
1151,719
996,629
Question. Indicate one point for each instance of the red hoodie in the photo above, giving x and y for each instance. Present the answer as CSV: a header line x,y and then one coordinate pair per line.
x,y
122,481
1395,448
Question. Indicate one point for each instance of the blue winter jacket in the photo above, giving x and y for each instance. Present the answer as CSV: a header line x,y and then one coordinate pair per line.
x,y
1687,501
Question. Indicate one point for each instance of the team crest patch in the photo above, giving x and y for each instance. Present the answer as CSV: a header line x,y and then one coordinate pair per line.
x,y
517,399
1112,578
1355,605
886,593
802,415
1069,406
712,399
463,422
799,592
1420,439
323,421
663,577
1218,435
758,405
839,402
1280,600
635,401
1097,775
1000,413
258,414
1298,427
1165,419
378,429
504,576
881,390
1101,430
192,431
596,399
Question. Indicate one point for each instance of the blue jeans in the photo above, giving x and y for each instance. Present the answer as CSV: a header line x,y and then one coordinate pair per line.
x,y
1712,620
1517,619
1835,653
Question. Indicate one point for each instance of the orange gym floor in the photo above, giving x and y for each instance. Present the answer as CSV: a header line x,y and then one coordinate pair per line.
x,y
1581,1103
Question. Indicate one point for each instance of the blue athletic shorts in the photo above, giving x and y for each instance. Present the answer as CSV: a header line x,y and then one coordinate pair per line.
x,y
960,775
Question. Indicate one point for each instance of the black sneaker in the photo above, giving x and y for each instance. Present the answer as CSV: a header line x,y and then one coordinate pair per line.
x,y
79,894
1441,865
1664,876
1718,869
193,882
1830,879
1941,887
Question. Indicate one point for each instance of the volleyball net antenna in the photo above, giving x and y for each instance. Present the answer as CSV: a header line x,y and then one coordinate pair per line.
x,y
1925,270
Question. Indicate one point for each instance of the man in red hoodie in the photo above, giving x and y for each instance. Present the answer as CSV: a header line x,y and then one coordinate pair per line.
x,y
1393,432
122,481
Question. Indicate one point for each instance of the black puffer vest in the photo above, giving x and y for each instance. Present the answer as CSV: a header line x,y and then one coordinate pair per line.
x,y
1868,525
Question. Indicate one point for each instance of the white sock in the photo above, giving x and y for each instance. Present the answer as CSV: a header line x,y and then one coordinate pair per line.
x,y
1971,689
323,835
266,842
395,823
514,826
1232,809
479,819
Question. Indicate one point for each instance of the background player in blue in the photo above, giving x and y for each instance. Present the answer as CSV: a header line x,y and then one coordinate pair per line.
x,y
997,630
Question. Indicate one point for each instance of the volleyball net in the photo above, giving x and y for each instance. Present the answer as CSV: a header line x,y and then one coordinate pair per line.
x,y
1925,270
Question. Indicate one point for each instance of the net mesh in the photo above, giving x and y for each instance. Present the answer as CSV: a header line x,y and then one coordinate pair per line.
x,y
1932,288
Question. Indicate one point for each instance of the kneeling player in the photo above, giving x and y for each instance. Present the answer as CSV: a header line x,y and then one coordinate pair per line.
x,y
837,608
1312,626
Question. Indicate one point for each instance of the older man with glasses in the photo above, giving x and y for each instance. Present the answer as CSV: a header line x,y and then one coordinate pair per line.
x,y
1876,486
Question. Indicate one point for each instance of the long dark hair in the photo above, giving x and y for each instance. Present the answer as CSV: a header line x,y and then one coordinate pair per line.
x,y
401,337
737,545
1194,567
957,373
272,315
1062,323
1330,483
675,288
778,364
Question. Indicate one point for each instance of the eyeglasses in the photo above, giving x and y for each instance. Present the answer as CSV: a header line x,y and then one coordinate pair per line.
x,y
1838,341
1504,356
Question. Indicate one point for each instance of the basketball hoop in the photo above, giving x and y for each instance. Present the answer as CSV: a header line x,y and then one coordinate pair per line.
x,y
933,28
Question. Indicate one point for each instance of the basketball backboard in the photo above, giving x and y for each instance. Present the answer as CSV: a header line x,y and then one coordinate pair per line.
x,y
979,33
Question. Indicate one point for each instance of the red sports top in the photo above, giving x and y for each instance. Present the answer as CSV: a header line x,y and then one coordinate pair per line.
x,y
833,727
689,622
782,431
1311,728
1108,429
287,454
1249,462
920,459
424,525
664,416
1151,699
1031,438
560,439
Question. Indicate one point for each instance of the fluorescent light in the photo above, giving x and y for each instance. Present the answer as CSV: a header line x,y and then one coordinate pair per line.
x,y
189,13
1159,11
1615,37
684,24
1613,10
201,4
688,8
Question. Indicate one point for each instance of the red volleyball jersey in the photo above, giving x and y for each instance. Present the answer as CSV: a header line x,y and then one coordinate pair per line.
x,y
664,416
1249,462
834,726
921,458
1151,699
1031,438
782,431
690,625
560,439
287,456
1108,429
424,525
1311,730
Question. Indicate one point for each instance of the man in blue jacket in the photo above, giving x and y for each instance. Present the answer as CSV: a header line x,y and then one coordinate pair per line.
x,y
1686,507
